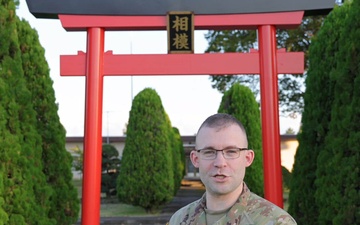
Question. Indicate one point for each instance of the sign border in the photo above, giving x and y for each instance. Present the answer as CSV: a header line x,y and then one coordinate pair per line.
x,y
168,31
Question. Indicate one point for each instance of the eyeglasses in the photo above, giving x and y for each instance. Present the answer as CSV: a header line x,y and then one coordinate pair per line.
x,y
229,153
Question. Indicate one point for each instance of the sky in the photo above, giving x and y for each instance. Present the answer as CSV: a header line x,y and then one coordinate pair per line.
x,y
188,100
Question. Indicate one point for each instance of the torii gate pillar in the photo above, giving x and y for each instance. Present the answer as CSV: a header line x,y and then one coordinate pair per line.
x,y
93,127
270,115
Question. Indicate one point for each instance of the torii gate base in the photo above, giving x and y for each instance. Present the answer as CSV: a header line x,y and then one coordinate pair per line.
x,y
95,64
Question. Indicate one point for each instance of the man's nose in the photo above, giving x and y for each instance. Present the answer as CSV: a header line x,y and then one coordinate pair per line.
x,y
220,160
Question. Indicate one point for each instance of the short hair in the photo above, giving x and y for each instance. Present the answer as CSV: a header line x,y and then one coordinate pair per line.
x,y
221,120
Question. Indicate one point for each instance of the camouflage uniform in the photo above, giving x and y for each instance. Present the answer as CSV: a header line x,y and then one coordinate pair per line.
x,y
248,209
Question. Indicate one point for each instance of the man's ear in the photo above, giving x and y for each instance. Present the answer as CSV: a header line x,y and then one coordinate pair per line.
x,y
194,159
249,157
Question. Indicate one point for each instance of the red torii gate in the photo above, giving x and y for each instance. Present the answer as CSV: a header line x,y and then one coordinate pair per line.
x,y
95,64
95,17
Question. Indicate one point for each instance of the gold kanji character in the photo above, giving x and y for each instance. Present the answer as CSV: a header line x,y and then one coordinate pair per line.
x,y
181,41
180,23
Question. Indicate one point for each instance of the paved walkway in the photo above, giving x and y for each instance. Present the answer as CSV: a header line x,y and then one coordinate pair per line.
x,y
189,192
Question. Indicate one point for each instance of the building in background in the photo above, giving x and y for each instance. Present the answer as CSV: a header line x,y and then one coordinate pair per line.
x,y
288,142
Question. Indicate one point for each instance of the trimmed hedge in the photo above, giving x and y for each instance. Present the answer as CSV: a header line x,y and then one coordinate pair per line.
x,y
239,101
146,176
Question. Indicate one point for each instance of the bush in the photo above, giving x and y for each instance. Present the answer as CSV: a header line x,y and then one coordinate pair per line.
x,y
110,167
286,175
64,204
338,171
240,102
178,158
318,99
146,177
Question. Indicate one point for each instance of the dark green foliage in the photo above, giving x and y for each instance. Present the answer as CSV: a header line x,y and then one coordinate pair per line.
x,y
24,191
174,155
286,175
146,175
240,102
325,182
4,27
77,159
318,99
56,160
178,158
3,214
181,150
338,171
290,86
110,167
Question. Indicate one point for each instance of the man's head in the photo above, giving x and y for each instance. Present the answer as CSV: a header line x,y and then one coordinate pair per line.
x,y
221,120
222,172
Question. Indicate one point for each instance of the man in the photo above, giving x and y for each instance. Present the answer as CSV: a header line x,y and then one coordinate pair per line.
x,y
222,155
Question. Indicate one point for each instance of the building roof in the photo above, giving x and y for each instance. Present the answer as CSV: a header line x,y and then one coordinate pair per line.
x,y
51,9
187,139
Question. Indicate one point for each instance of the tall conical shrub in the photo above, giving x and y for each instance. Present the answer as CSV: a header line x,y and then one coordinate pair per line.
x,y
146,174
178,158
240,102
4,217
24,191
318,99
56,159
338,171
110,166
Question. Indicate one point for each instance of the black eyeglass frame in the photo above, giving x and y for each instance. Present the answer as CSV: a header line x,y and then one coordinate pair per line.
x,y
222,150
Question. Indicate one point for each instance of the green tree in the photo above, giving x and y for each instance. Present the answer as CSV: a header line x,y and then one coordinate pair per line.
x,y
338,171
110,167
78,159
56,159
181,150
290,131
239,101
291,87
286,175
318,98
178,158
146,174
3,215
4,52
24,191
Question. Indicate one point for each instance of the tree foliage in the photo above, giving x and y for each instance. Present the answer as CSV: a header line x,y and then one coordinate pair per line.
x,y
291,88
56,159
178,155
78,159
181,150
24,191
286,177
110,166
338,171
146,175
318,99
323,187
240,102
3,215
290,131
36,179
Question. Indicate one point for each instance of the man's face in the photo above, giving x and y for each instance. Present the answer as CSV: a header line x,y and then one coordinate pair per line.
x,y
222,176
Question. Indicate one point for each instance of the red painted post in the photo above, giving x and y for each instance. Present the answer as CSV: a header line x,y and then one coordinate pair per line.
x,y
270,114
93,127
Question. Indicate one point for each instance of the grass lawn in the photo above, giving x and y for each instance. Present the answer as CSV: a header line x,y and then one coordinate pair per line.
x,y
119,209
286,199
112,209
